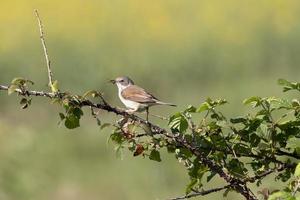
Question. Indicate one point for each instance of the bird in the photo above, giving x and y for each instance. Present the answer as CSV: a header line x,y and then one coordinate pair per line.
x,y
135,98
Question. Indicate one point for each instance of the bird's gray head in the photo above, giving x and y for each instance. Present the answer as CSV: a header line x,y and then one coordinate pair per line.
x,y
122,82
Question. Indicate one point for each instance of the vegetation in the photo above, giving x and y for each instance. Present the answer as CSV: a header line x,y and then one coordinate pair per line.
x,y
212,130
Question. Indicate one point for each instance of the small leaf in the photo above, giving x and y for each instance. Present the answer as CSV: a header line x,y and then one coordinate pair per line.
x,y
72,122
203,107
297,170
212,174
54,86
283,82
92,93
18,81
294,144
117,136
29,81
23,101
178,122
77,112
11,89
280,195
238,120
191,109
252,100
155,155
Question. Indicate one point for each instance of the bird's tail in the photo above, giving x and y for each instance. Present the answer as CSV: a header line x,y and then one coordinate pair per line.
x,y
167,104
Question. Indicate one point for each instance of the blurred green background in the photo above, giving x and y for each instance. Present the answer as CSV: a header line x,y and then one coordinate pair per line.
x,y
182,51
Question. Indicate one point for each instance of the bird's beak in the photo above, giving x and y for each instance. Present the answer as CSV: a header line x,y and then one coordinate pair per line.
x,y
113,81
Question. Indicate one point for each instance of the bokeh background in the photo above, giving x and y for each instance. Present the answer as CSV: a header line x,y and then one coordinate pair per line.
x,y
182,51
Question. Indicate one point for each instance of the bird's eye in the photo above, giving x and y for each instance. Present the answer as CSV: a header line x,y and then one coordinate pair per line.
x,y
121,81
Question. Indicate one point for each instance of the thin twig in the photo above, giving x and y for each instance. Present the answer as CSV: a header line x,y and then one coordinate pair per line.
x,y
31,92
42,37
201,193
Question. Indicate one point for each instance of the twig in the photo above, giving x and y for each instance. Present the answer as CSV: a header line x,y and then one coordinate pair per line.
x,y
48,62
31,92
280,168
201,193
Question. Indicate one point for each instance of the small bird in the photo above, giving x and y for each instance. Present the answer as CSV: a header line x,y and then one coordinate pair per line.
x,y
135,98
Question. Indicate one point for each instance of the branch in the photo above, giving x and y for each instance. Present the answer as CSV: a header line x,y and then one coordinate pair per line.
x,y
201,193
282,167
236,184
50,76
30,92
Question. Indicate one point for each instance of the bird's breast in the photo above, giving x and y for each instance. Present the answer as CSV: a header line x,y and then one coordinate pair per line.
x,y
128,103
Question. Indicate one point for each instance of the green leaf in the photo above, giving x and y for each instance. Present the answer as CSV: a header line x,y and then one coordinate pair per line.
x,y
212,174
117,136
297,170
252,100
238,120
254,140
54,86
21,81
77,112
294,144
72,121
283,82
155,155
23,101
92,93
11,89
178,122
18,81
287,85
222,123
191,109
203,107
236,168
281,195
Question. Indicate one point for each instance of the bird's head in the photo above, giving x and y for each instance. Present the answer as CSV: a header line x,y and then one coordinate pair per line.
x,y
122,82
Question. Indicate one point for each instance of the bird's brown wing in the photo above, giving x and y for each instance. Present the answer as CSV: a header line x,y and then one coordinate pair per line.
x,y
138,94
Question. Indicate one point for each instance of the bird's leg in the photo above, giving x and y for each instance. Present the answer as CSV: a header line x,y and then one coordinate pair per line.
x,y
147,114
